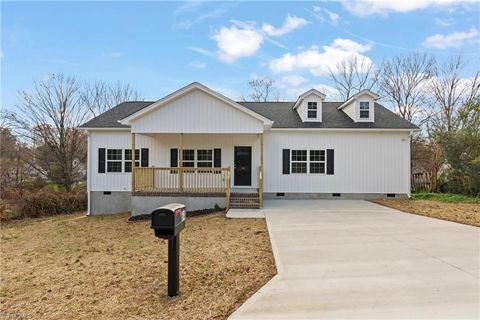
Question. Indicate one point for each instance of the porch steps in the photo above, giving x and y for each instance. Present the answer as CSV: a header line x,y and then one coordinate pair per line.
x,y
244,201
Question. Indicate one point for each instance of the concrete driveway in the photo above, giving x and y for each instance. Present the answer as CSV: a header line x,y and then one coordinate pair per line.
x,y
356,259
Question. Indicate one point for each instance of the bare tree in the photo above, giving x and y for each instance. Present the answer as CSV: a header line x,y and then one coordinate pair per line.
x,y
99,97
48,118
352,75
404,83
449,92
262,90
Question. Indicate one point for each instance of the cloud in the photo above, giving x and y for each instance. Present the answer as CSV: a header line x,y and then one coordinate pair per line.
x,y
319,13
197,65
452,40
202,51
292,81
371,7
319,61
237,42
188,23
244,39
444,22
291,23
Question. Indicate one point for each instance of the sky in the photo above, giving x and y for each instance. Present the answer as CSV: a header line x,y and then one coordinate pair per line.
x,y
159,47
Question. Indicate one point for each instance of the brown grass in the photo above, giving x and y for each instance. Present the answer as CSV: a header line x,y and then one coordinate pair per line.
x,y
466,213
77,267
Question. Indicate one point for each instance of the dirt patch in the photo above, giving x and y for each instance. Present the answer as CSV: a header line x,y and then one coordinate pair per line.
x,y
77,267
466,213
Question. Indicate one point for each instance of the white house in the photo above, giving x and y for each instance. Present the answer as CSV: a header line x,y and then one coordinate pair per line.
x,y
198,147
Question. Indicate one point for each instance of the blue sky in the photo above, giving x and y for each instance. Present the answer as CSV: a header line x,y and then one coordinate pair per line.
x,y
158,47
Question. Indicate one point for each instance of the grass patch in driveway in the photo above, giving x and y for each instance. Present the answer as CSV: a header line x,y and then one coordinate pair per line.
x,y
451,207
76,267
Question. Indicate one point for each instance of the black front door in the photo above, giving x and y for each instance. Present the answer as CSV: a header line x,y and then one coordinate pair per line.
x,y
243,166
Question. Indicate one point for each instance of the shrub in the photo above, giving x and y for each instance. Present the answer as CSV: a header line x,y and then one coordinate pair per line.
x,y
24,203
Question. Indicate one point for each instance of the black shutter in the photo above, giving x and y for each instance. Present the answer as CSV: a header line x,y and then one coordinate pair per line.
x,y
286,161
217,158
330,160
101,160
173,158
144,157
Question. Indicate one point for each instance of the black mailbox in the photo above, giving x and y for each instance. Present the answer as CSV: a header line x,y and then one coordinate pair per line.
x,y
169,220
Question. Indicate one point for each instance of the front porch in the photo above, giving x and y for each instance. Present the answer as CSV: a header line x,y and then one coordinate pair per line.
x,y
201,166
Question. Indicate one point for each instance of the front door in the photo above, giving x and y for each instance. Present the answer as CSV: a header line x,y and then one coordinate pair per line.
x,y
243,166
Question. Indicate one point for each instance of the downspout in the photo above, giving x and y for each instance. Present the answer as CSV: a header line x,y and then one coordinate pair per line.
x,y
89,171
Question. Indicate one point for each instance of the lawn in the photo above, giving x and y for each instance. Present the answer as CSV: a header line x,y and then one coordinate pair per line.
x,y
77,267
446,206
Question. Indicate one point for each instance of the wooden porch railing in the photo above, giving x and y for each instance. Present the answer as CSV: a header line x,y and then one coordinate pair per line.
x,y
188,180
260,187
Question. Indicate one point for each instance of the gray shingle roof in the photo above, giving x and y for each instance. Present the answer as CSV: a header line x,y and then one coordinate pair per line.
x,y
282,113
284,116
109,119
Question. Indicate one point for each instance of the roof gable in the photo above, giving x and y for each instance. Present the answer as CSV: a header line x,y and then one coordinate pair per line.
x,y
322,96
186,90
359,94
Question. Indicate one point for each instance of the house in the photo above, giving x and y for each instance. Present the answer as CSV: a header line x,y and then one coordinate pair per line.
x,y
198,147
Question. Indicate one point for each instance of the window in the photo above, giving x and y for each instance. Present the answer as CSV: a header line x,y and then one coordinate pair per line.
x,y
311,110
128,159
114,160
204,158
317,161
299,161
188,158
364,110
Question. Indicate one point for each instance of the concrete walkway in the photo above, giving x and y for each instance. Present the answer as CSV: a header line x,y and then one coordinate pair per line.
x,y
354,259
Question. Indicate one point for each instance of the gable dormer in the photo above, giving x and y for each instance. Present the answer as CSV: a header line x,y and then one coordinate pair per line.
x,y
309,106
361,106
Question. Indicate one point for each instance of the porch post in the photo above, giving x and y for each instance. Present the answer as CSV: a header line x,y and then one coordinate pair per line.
x,y
260,174
133,162
180,165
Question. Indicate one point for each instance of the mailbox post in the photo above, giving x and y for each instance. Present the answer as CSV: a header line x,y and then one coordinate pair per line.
x,y
167,222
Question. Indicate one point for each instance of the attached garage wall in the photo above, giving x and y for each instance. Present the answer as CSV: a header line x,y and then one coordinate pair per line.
x,y
367,163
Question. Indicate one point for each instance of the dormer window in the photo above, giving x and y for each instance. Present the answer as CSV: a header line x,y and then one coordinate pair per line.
x,y
364,110
312,110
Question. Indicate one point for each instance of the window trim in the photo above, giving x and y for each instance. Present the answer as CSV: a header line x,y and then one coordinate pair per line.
x,y
324,161
137,159
369,110
296,161
195,160
107,160
308,162
313,110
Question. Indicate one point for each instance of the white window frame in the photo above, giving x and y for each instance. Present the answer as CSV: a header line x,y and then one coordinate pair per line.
x,y
316,110
369,110
324,161
195,160
107,160
297,161
137,160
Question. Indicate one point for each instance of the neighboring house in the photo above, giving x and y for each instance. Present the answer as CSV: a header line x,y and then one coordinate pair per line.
x,y
200,148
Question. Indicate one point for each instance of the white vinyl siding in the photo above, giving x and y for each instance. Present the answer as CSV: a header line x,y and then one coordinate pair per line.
x,y
365,162
159,146
197,112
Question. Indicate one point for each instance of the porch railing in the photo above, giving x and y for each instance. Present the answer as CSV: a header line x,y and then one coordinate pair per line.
x,y
188,180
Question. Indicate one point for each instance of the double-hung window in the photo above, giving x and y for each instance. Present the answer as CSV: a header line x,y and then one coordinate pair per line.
x,y
204,158
114,160
189,158
128,159
317,161
299,161
312,110
364,110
